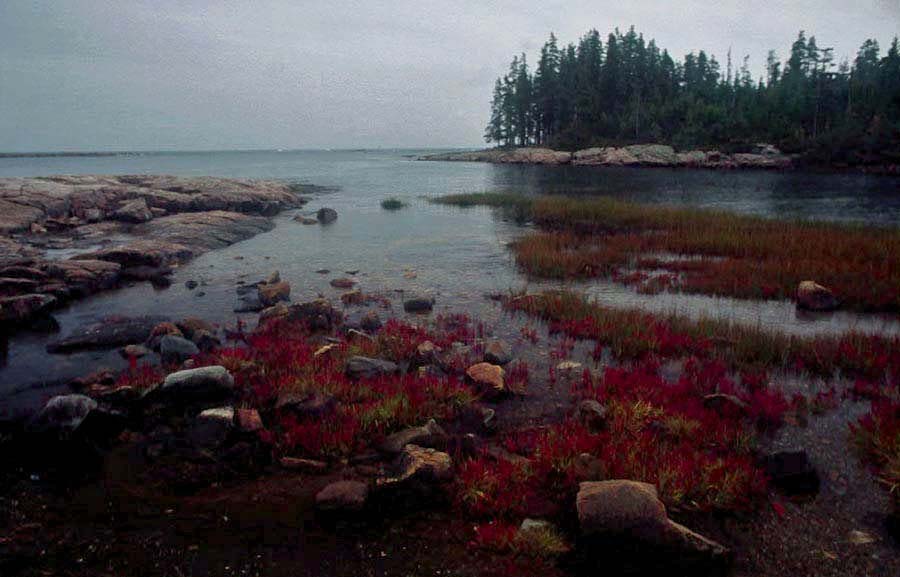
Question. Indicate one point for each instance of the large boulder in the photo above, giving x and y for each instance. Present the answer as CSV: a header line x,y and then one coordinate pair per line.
x,y
632,510
212,427
814,297
110,332
63,414
620,507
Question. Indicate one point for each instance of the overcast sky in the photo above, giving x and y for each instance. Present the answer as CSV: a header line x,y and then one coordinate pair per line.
x,y
220,74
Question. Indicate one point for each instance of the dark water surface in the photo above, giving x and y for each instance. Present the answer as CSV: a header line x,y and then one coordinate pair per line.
x,y
456,255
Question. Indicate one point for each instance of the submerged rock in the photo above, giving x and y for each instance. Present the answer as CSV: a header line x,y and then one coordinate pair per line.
x,y
108,333
418,304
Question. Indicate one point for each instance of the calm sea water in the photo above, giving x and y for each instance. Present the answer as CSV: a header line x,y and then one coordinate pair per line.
x,y
456,255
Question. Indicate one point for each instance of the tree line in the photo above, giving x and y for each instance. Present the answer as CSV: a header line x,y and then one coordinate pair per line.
x,y
630,90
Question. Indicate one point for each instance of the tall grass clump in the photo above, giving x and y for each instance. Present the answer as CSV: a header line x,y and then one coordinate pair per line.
x,y
708,252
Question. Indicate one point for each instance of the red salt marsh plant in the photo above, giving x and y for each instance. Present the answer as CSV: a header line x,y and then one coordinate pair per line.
x,y
700,456
740,256
634,334
281,358
877,437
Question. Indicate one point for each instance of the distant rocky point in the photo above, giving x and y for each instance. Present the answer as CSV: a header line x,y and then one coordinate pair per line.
x,y
65,237
764,156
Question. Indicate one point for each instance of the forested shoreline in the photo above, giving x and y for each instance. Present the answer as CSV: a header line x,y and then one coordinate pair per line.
x,y
629,90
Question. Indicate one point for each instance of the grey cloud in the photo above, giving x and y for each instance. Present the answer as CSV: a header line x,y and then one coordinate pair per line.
x,y
164,74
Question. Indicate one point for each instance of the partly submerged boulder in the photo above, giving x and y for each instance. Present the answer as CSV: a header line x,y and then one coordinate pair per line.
x,y
815,297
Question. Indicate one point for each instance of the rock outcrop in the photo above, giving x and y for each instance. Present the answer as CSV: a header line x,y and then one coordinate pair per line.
x,y
146,225
763,156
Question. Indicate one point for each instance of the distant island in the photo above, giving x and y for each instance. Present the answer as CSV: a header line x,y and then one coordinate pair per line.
x,y
630,91
60,154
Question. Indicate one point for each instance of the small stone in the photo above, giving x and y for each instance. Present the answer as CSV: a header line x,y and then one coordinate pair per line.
x,y
366,368
815,297
861,538
370,322
568,366
205,340
213,426
418,305
488,377
497,352
191,284
134,351
303,465
342,283
271,293
429,435
277,311
248,420
174,349
423,464
306,405
324,350
346,496
591,414
326,215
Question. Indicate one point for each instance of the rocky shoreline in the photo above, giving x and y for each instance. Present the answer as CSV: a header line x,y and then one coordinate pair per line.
x,y
764,156
66,237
